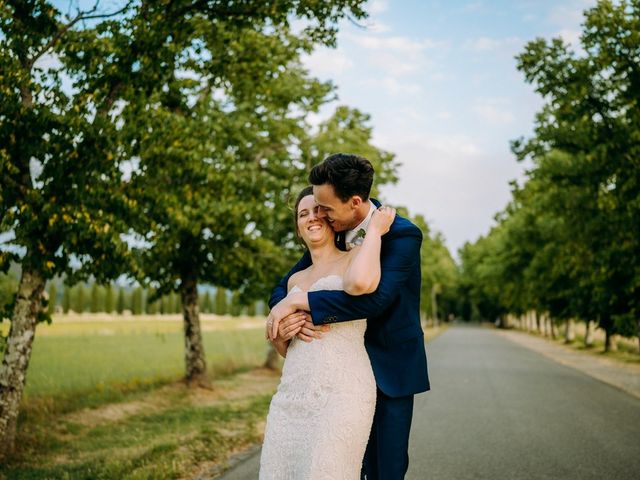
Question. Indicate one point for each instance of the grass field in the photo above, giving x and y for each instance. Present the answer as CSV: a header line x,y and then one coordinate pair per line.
x,y
72,355
103,398
627,348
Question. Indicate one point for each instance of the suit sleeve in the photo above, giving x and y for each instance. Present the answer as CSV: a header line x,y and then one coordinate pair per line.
x,y
400,255
280,290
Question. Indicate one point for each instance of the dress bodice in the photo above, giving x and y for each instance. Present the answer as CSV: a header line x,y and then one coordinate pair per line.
x,y
355,328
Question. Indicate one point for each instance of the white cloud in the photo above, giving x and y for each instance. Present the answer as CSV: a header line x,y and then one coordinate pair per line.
x,y
327,62
568,18
393,44
444,115
448,179
569,15
393,55
473,7
47,61
393,86
487,44
570,36
493,110
452,180
378,6
378,27
395,64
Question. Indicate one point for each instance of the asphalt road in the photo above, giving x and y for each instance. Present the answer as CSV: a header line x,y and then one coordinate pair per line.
x,y
500,411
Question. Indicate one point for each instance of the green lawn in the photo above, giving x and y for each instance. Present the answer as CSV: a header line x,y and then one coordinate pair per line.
x,y
63,364
103,400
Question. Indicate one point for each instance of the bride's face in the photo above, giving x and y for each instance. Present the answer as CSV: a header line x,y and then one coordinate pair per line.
x,y
311,228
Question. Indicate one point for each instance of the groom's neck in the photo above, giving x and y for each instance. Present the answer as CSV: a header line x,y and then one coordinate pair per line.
x,y
360,214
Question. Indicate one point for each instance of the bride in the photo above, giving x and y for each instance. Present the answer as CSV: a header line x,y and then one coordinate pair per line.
x,y
320,417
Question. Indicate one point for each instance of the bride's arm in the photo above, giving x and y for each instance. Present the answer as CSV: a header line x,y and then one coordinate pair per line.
x,y
289,326
363,273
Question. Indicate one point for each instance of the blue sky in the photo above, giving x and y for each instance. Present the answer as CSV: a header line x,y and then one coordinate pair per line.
x,y
439,79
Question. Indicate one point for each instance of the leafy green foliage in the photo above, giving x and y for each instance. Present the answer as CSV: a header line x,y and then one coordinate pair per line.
x,y
567,243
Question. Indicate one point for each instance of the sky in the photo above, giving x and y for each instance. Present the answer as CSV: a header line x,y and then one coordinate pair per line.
x,y
439,80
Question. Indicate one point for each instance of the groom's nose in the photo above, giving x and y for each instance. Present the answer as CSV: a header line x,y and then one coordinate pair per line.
x,y
320,212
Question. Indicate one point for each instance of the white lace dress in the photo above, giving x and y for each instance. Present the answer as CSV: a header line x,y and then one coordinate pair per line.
x,y
320,417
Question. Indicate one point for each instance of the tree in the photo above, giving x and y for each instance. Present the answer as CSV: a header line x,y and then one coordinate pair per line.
x,y
109,301
221,301
237,148
57,170
53,293
589,124
136,301
66,299
439,272
95,306
236,307
153,306
80,299
121,305
564,246
206,303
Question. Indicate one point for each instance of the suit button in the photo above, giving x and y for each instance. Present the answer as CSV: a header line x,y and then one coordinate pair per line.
x,y
330,319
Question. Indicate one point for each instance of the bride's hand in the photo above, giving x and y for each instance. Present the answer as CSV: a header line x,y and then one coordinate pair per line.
x,y
284,308
381,220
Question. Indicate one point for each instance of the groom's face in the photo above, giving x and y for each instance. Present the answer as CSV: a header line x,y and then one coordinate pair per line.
x,y
340,215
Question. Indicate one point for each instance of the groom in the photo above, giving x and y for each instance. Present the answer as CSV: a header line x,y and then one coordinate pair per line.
x,y
394,339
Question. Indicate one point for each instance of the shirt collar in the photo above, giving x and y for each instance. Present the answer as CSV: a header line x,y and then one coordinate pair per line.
x,y
351,234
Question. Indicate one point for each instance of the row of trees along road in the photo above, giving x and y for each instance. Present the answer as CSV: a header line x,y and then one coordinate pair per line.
x,y
567,247
161,140
137,301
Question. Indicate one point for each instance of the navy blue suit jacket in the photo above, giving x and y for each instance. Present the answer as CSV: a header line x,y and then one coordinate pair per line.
x,y
394,338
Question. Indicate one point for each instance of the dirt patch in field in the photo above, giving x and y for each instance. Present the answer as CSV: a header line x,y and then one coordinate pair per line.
x,y
243,386
114,412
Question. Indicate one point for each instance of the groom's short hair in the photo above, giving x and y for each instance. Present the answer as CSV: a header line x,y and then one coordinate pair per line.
x,y
348,174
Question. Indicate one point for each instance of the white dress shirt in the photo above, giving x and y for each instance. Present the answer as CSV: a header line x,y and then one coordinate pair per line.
x,y
351,236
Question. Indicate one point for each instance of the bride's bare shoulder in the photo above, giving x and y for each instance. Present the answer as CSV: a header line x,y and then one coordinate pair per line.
x,y
296,278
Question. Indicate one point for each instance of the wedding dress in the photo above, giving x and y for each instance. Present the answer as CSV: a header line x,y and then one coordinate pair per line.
x,y
320,417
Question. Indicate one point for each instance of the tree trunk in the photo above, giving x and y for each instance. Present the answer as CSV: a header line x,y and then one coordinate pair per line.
x,y
538,328
569,331
552,327
17,355
611,341
196,366
588,336
272,358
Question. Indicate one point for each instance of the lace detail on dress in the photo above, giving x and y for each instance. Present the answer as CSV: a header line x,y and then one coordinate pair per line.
x,y
320,417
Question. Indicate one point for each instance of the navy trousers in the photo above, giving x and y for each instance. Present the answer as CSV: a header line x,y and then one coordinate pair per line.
x,y
387,457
